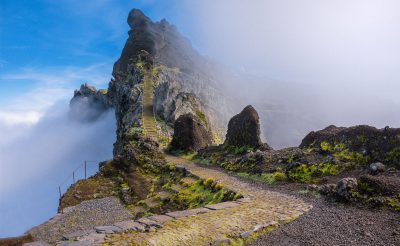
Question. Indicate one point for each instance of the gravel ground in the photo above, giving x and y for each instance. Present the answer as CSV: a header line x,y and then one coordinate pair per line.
x,y
84,216
330,223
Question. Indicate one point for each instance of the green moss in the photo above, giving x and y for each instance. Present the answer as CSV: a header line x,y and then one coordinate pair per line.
x,y
393,203
309,193
393,156
239,150
328,169
280,176
302,173
269,178
325,146
305,173
202,117
103,91
365,188
201,193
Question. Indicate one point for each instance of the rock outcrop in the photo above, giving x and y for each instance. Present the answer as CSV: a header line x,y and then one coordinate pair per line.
x,y
88,103
184,82
244,129
378,145
190,134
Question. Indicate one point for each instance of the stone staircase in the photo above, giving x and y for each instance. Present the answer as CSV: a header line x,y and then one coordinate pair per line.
x,y
148,120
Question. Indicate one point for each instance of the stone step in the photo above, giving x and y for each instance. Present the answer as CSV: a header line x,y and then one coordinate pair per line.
x,y
222,205
148,222
187,213
130,225
108,229
161,219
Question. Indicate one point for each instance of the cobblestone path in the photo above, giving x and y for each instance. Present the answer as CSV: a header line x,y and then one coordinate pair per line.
x,y
259,209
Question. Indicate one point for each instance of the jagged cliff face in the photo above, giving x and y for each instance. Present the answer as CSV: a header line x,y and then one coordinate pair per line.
x,y
183,81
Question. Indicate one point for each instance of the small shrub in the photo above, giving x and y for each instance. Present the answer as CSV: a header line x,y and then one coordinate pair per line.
x,y
325,146
219,186
302,173
280,176
328,169
208,182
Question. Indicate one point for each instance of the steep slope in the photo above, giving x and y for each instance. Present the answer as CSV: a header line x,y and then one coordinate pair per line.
x,y
182,80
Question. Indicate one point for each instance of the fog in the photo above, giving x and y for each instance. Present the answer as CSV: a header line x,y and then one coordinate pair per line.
x,y
306,64
36,159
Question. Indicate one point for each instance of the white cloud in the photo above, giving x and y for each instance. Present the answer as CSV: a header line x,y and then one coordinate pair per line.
x,y
52,84
24,117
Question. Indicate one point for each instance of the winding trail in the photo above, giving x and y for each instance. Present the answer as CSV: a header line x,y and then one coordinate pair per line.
x,y
260,207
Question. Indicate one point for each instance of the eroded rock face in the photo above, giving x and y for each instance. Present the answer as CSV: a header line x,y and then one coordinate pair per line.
x,y
190,134
184,81
379,145
88,103
244,129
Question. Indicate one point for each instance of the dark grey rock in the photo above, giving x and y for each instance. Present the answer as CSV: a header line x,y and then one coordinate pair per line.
x,y
244,129
345,188
108,229
190,134
376,168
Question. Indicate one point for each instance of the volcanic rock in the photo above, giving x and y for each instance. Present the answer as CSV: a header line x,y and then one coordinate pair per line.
x,y
88,104
190,134
376,167
244,129
345,188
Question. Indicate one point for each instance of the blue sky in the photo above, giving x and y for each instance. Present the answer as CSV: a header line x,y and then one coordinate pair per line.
x,y
48,48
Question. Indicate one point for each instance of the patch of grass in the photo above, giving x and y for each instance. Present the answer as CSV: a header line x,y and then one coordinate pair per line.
x,y
184,154
308,193
302,173
305,173
393,156
202,117
328,169
201,193
239,150
393,203
325,146
269,178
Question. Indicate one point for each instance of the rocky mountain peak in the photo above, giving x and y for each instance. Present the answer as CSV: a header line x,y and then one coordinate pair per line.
x,y
136,18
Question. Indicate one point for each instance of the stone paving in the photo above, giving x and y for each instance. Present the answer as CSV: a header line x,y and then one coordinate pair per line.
x,y
215,224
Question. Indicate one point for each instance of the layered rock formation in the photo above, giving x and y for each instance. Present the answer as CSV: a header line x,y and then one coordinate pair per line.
x,y
190,134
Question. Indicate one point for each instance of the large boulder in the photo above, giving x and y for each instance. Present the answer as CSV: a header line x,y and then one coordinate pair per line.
x,y
190,134
345,188
380,185
244,129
